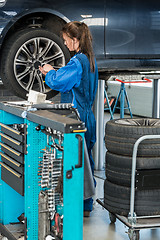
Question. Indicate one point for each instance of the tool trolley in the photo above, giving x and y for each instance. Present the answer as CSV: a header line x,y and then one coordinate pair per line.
x,y
41,173
140,180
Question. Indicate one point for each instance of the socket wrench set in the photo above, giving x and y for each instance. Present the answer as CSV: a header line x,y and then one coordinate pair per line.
x,y
51,183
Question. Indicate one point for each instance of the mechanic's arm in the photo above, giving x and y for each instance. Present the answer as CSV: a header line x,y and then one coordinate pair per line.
x,y
65,78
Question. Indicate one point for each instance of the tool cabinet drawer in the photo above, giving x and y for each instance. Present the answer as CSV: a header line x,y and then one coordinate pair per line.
x,y
19,157
10,131
12,163
12,178
12,142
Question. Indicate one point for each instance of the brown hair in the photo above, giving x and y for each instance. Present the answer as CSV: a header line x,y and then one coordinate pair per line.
x,y
80,31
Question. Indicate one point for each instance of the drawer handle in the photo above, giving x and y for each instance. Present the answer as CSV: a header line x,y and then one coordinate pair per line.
x,y
80,151
10,149
10,170
11,160
9,128
10,139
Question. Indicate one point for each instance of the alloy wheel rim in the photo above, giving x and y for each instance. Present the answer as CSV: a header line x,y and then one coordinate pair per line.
x,y
34,52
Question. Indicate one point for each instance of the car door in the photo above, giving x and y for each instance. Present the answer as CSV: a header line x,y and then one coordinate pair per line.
x,y
120,28
132,29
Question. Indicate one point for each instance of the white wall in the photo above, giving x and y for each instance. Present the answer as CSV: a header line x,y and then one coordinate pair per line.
x,y
140,96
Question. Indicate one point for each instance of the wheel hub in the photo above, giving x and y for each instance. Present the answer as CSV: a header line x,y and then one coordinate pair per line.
x,y
37,64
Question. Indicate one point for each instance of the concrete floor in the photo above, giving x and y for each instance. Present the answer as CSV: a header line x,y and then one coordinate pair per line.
x,y
98,225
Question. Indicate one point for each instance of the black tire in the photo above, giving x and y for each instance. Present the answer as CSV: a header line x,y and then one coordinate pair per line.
x,y
117,200
121,134
118,167
23,53
118,176
125,162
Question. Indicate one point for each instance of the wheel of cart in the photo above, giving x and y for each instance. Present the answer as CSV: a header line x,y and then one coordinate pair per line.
x,y
147,180
112,217
133,234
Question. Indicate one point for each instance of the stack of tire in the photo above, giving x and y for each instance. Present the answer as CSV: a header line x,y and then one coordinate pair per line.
x,y
120,136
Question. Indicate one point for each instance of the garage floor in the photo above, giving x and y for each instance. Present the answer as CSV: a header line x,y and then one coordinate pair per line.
x,y
98,226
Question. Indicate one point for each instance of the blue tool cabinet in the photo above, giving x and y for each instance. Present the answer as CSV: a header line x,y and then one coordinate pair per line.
x,y
21,196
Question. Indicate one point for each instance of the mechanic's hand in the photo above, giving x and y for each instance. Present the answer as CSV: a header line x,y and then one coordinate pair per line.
x,y
46,68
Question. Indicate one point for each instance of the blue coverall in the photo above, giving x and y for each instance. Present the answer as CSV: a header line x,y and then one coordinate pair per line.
x,y
78,85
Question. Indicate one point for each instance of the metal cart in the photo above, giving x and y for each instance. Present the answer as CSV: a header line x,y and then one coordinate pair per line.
x,y
133,222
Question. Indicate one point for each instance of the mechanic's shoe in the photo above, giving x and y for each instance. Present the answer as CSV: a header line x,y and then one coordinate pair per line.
x,y
86,214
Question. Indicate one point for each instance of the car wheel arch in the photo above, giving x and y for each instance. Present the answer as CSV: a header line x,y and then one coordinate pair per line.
x,y
16,23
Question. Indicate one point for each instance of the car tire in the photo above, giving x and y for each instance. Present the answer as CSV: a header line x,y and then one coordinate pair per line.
x,y
118,167
117,200
121,135
23,53
118,176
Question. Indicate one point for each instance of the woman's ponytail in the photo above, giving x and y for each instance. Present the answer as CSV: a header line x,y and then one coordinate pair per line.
x,y
86,45
81,31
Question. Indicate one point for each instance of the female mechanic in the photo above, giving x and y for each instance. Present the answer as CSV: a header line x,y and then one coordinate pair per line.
x,y
77,82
